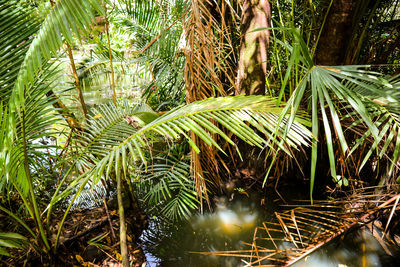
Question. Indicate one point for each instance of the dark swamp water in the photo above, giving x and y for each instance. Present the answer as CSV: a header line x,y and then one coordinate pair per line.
x,y
233,223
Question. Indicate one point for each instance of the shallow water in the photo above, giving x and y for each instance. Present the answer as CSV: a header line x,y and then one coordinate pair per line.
x,y
233,223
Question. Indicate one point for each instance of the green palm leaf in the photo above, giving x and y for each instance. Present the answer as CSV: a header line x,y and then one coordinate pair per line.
x,y
231,112
68,17
10,240
170,185
383,105
17,26
110,143
325,89
32,124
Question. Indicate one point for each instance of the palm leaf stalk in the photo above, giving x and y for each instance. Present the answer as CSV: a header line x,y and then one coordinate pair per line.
x,y
76,79
23,154
114,98
74,73
122,227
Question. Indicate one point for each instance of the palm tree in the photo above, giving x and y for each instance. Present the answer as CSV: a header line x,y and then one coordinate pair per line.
x,y
108,144
216,60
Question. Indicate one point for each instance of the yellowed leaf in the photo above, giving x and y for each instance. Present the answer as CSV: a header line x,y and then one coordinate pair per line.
x,y
118,256
79,258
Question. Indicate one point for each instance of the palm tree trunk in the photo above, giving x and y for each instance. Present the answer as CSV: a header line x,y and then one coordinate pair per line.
x,y
252,68
335,36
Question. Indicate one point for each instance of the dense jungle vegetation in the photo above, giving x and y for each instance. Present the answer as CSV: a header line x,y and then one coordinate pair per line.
x,y
114,112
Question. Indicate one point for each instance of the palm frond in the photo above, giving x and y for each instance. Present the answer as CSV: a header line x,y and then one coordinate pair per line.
x,y
324,89
147,14
10,240
33,123
383,107
117,136
231,112
67,17
15,19
171,185
109,126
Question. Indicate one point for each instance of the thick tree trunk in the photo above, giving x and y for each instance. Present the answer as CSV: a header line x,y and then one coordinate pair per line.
x,y
335,37
252,68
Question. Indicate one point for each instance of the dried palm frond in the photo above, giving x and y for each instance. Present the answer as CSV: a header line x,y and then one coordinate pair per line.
x,y
299,231
210,51
210,69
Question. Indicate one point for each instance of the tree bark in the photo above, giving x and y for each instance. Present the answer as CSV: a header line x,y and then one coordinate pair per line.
x,y
336,34
252,68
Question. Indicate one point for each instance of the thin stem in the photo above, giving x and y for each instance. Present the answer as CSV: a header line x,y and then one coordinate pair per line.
x,y
59,105
122,225
114,98
77,83
322,27
30,184
67,211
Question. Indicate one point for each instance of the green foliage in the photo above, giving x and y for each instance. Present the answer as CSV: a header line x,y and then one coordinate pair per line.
x,y
156,32
67,17
14,45
325,90
170,187
10,240
342,101
33,123
231,112
119,137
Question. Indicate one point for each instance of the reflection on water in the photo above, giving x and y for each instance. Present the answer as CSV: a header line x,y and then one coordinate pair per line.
x,y
233,223
358,248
